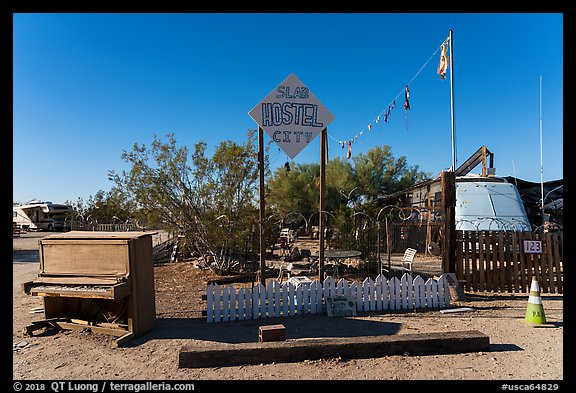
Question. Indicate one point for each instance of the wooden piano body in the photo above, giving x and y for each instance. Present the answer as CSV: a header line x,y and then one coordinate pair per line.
x,y
98,280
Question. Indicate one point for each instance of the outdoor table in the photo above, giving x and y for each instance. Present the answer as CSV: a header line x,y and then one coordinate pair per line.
x,y
337,255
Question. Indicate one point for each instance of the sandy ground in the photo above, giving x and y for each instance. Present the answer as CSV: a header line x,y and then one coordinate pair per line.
x,y
517,351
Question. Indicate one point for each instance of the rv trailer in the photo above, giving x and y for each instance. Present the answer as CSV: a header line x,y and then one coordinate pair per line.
x,y
41,216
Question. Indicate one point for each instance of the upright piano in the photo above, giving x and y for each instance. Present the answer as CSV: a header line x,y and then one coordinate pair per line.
x,y
103,281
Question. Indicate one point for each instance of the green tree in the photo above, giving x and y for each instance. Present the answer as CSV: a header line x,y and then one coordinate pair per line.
x,y
104,207
341,184
299,189
373,175
349,188
209,201
294,191
378,173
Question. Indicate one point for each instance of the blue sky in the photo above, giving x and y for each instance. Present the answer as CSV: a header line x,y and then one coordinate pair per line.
x,y
88,86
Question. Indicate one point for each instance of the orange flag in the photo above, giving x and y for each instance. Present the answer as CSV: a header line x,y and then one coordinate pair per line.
x,y
443,65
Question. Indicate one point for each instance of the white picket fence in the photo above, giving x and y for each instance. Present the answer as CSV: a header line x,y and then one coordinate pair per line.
x,y
225,303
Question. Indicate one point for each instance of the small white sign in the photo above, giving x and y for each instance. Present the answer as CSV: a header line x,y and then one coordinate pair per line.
x,y
533,246
291,115
340,306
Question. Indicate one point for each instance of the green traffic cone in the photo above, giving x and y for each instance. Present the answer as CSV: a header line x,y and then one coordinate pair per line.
x,y
535,310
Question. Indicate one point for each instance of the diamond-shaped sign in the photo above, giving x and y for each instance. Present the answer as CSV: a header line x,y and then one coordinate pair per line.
x,y
291,115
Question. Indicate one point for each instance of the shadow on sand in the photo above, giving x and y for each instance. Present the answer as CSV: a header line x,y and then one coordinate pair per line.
x,y
305,326
25,256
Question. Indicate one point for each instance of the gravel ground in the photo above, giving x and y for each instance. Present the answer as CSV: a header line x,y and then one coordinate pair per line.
x,y
517,352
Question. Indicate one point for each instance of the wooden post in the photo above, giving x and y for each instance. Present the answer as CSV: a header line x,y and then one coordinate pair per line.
x,y
321,224
484,161
428,228
448,181
378,249
262,207
388,248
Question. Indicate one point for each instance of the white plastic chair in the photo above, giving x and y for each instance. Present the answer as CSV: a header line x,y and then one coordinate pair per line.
x,y
406,263
408,259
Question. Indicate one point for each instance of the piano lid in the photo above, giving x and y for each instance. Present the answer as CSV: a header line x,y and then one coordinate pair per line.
x,y
99,235
84,253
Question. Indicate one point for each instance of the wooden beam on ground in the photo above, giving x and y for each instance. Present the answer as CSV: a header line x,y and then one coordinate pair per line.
x,y
122,340
75,324
224,354
41,324
96,329
27,286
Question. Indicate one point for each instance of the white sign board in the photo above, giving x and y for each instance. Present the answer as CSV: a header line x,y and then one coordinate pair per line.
x,y
291,115
533,246
340,306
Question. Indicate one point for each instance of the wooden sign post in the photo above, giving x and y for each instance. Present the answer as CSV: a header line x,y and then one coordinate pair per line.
x,y
448,182
262,209
322,223
292,116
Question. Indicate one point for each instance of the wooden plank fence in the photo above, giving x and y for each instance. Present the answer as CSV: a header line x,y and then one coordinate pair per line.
x,y
225,303
495,261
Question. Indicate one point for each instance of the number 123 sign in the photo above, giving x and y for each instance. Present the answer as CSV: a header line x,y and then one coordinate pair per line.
x,y
533,246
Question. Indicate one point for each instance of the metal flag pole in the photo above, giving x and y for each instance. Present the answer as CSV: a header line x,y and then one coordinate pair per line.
x,y
452,102
541,168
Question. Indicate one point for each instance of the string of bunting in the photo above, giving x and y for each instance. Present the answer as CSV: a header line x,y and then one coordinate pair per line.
x,y
385,114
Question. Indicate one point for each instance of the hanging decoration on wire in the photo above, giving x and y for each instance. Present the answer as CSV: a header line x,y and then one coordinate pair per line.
x,y
407,98
386,113
406,105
